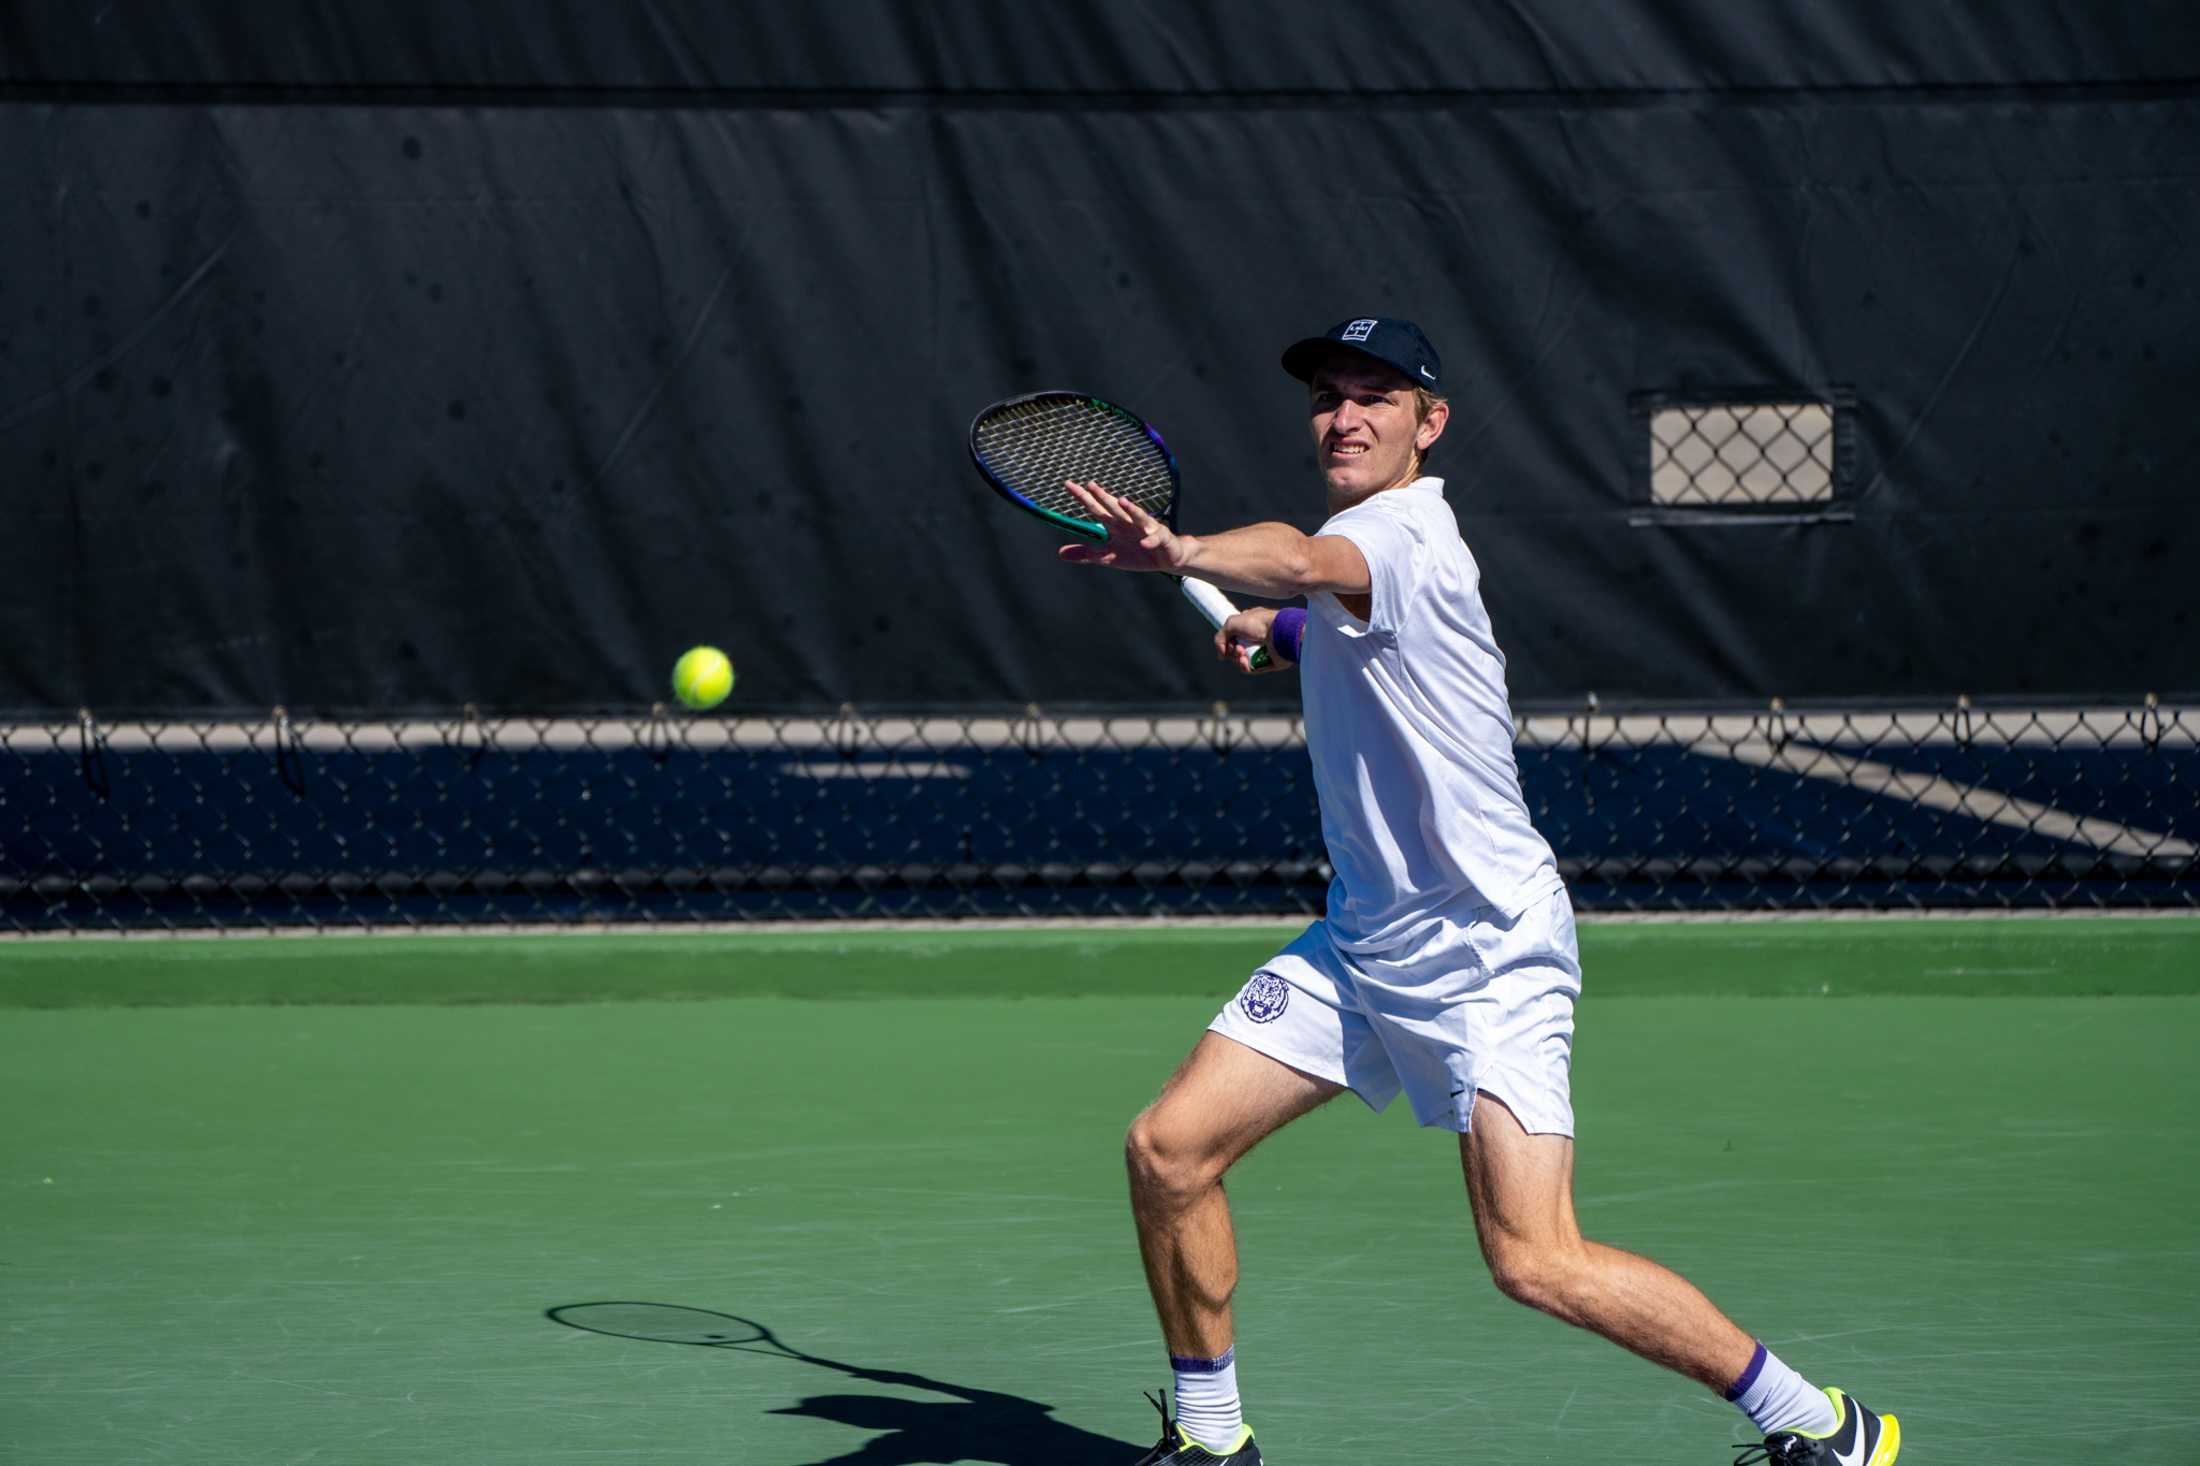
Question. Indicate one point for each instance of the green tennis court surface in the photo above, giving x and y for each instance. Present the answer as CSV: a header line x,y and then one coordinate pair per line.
x,y
1950,1165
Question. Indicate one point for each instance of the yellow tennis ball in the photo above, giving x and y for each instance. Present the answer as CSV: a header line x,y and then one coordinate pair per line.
x,y
702,677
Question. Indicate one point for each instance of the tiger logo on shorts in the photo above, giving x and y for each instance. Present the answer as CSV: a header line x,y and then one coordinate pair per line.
x,y
1265,998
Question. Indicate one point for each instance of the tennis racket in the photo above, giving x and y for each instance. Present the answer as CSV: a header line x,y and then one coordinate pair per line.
x,y
1028,447
671,1323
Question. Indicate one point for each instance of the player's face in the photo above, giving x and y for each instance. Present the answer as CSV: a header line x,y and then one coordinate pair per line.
x,y
1364,428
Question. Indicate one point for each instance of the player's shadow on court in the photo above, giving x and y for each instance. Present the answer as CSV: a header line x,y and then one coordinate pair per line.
x,y
970,1425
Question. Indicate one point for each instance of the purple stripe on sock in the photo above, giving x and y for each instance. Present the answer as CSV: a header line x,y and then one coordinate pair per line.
x,y
1288,631
1204,1366
1741,1386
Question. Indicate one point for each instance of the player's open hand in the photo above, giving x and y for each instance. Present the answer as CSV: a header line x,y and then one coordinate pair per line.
x,y
1241,635
1136,540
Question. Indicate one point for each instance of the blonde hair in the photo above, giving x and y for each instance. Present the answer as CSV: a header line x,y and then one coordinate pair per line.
x,y
1424,403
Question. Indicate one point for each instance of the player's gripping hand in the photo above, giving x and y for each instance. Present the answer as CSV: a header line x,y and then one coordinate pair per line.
x,y
1238,637
1136,540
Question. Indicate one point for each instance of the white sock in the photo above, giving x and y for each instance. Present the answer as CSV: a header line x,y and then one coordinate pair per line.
x,y
1776,1398
1207,1400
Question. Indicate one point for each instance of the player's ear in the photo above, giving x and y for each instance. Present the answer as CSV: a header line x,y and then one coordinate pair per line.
x,y
1432,426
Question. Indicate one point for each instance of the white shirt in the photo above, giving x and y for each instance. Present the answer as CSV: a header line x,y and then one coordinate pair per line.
x,y
1412,737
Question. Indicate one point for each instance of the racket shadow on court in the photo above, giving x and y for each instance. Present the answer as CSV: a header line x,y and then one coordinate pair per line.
x,y
970,1425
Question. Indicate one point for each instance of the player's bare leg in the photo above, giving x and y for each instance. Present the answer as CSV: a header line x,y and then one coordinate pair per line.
x,y
1521,1189
1222,1101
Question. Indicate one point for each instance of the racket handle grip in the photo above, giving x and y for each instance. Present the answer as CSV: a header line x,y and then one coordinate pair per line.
x,y
1216,607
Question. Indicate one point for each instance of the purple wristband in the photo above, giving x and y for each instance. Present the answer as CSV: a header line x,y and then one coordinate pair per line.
x,y
1289,629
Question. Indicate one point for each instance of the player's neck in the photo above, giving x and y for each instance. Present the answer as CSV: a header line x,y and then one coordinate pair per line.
x,y
1343,499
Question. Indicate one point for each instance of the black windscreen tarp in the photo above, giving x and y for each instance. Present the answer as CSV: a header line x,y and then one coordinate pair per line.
x,y
361,362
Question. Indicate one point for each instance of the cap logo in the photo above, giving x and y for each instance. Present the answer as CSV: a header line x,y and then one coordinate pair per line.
x,y
1357,331
1427,373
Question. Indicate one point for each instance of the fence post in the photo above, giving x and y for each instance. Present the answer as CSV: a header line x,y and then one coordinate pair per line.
x,y
290,764
469,716
1218,737
91,755
847,733
1028,731
657,735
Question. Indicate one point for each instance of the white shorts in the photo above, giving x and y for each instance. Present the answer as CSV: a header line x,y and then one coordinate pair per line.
x,y
1485,1005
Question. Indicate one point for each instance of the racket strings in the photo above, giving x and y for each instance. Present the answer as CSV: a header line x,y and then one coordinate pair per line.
x,y
1032,447
666,1323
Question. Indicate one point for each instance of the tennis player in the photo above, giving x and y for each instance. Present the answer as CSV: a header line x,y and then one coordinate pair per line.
x,y
1445,968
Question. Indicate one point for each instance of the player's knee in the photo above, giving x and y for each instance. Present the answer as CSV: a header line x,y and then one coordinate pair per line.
x,y
1540,1276
1162,1166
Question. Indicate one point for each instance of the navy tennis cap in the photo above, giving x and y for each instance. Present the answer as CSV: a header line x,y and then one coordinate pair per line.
x,y
1398,344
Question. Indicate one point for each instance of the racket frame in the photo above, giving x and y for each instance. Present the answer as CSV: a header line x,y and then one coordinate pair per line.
x,y
1209,601
573,1316
1088,529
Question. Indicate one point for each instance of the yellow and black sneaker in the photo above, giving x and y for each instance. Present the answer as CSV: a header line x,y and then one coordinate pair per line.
x,y
1175,1448
1860,1439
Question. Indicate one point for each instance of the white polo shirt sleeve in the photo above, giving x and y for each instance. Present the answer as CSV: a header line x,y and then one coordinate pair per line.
x,y
1394,548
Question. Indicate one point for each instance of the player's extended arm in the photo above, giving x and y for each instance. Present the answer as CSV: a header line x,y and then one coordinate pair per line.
x,y
1001,1403
1272,560
1276,561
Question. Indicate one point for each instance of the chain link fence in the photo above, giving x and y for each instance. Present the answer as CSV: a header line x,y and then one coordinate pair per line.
x,y
291,823
1762,453
1746,455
